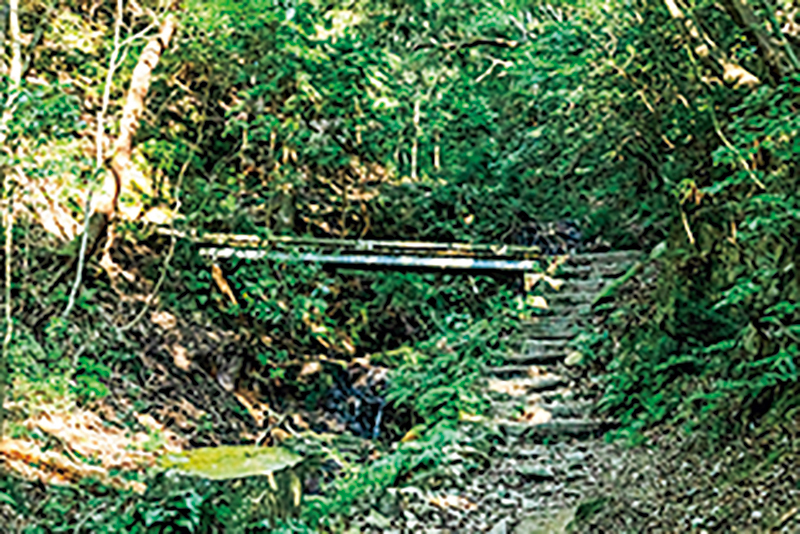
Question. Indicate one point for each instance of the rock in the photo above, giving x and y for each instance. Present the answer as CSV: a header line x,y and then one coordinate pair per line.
x,y
575,475
554,522
573,359
378,521
500,528
535,452
530,504
573,457
535,472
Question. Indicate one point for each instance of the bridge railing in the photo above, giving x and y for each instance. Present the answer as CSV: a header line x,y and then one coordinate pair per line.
x,y
356,253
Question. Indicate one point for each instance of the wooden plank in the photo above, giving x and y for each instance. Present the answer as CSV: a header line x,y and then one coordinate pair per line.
x,y
371,245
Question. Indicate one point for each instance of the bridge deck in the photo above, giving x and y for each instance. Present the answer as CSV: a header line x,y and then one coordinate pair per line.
x,y
350,246
373,254
381,260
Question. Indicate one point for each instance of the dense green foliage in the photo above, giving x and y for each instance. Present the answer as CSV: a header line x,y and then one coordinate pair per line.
x,y
670,126
601,114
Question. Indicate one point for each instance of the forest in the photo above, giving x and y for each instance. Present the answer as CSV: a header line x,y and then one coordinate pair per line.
x,y
439,266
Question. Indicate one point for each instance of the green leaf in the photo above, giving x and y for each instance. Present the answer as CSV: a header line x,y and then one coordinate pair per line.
x,y
5,498
574,358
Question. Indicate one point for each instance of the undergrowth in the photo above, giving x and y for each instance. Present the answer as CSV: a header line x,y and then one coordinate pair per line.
x,y
432,332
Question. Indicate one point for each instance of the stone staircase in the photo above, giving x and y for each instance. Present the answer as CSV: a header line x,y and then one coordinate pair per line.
x,y
532,389
547,455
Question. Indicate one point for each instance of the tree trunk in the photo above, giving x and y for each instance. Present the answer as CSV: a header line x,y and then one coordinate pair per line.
x,y
415,142
771,52
121,164
8,206
708,51
123,170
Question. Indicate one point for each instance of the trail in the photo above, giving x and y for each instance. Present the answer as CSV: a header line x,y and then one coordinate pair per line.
x,y
548,455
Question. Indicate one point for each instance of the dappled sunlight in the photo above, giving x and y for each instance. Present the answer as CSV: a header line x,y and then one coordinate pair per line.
x,y
66,447
494,267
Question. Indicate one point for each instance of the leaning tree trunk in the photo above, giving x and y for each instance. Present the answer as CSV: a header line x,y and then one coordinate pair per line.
x,y
105,206
122,167
708,51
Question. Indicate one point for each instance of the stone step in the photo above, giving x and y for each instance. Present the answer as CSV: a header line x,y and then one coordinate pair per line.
x,y
555,320
588,285
562,394
578,408
557,409
554,327
570,296
509,371
525,452
570,272
617,256
521,387
533,358
572,427
549,332
535,471
536,353
559,309
542,346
